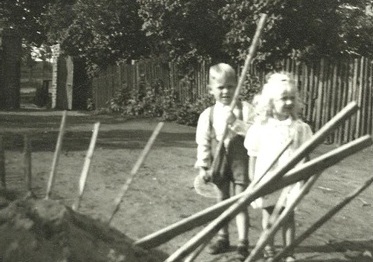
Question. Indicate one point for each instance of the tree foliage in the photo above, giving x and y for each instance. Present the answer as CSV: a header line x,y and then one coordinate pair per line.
x,y
303,29
106,31
100,32
185,31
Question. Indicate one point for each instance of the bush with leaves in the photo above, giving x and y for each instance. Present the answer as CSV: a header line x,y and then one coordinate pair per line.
x,y
188,112
156,101
149,101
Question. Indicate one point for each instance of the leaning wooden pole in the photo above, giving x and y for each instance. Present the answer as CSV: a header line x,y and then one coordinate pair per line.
x,y
209,231
323,219
212,212
195,254
299,173
56,155
86,166
241,81
269,232
135,168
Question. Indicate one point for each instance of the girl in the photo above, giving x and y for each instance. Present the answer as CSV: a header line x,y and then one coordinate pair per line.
x,y
278,108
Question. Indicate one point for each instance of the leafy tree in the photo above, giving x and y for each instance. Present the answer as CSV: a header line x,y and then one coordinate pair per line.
x,y
24,16
303,29
188,30
105,31
185,31
100,32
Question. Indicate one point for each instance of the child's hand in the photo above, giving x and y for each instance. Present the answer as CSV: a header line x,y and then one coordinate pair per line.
x,y
205,174
229,117
239,127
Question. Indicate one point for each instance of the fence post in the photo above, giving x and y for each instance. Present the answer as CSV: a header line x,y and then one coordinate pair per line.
x,y
27,162
2,164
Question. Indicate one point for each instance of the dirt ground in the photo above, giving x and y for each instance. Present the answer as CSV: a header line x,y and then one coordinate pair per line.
x,y
162,192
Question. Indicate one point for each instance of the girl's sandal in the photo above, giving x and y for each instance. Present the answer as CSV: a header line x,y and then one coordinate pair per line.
x,y
269,252
290,259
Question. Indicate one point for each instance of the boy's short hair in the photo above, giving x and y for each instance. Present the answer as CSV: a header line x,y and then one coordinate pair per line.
x,y
222,70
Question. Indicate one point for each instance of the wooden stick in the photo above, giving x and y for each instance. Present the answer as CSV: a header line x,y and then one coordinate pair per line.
x,y
271,230
27,162
86,166
56,155
209,231
149,238
195,254
299,173
274,161
248,60
323,219
2,164
135,168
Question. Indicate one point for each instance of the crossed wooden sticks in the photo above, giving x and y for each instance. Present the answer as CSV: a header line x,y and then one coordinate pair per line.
x,y
226,210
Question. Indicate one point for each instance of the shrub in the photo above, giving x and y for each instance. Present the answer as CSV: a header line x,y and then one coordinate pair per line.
x,y
156,101
188,113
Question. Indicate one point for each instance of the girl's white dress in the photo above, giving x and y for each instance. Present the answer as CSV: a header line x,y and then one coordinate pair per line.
x,y
265,140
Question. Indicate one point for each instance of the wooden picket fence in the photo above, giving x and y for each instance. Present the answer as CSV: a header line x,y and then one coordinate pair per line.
x,y
326,86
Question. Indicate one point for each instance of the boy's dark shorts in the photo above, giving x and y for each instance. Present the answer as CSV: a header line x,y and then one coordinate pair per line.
x,y
236,166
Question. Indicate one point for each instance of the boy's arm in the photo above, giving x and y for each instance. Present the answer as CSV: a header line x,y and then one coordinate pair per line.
x,y
203,141
240,127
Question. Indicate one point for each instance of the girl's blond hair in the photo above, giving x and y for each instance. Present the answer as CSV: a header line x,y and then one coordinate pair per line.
x,y
264,101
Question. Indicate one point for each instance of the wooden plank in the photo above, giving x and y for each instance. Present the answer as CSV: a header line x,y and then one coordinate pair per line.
x,y
326,100
2,164
27,162
370,98
335,95
355,92
319,102
365,96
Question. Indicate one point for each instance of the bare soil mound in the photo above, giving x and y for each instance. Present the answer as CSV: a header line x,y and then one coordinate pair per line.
x,y
46,230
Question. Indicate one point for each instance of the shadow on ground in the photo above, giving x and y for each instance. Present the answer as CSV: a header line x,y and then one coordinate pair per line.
x,y
114,133
352,251
113,139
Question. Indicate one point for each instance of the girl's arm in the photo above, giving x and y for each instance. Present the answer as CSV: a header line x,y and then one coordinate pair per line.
x,y
252,162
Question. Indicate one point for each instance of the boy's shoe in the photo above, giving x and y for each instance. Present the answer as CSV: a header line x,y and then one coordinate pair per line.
x,y
242,250
221,245
290,259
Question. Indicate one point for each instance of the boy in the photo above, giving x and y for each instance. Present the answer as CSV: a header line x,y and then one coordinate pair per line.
x,y
211,123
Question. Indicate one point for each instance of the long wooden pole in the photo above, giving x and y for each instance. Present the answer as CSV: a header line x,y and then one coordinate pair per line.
x,y
195,254
209,231
56,155
252,183
299,173
135,168
86,166
323,219
248,60
269,232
